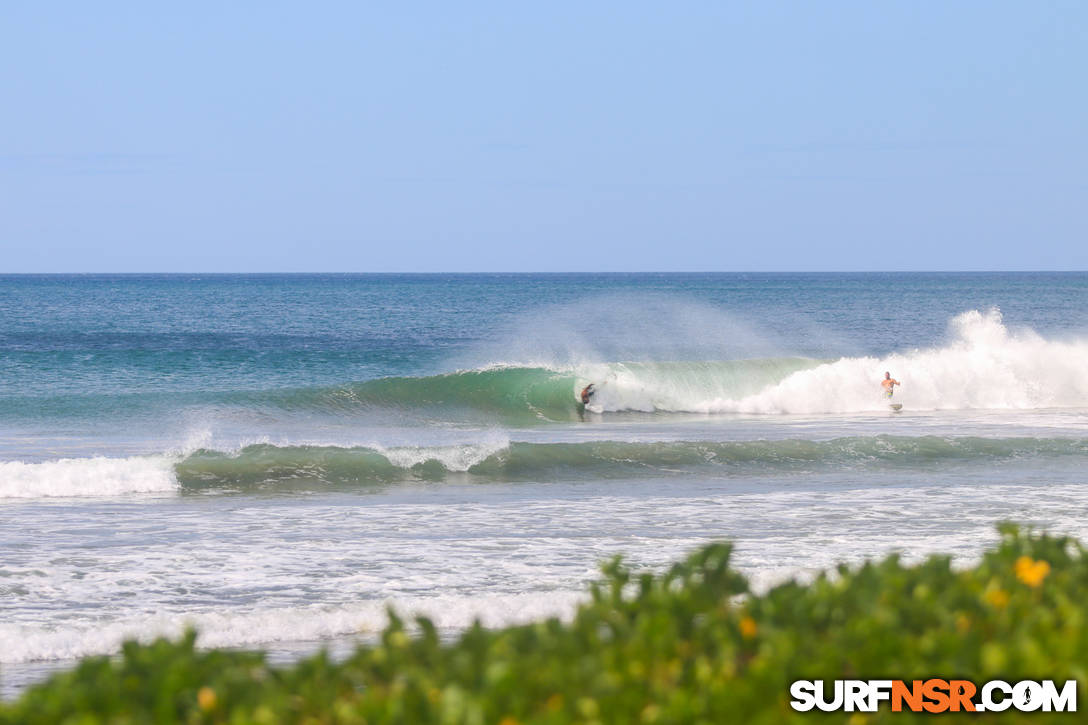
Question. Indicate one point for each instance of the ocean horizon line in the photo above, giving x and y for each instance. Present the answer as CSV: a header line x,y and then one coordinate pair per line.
x,y
604,273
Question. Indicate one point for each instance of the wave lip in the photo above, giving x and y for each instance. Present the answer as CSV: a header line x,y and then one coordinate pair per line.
x,y
97,476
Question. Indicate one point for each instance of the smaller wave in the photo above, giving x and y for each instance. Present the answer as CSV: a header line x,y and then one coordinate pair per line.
x,y
281,467
265,464
87,477
301,467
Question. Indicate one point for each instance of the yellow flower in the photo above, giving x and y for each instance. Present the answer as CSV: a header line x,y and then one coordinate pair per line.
x,y
748,627
1031,572
996,597
650,713
205,697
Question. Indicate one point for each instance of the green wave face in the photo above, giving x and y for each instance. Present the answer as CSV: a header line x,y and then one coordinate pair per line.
x,y
511,392
513,395
275,468
502,394
528,394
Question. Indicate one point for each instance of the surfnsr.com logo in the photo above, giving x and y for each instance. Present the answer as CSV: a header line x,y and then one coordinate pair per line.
x,y
934,695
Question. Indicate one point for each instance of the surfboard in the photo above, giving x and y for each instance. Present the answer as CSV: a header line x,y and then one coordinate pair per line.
x,y
895,406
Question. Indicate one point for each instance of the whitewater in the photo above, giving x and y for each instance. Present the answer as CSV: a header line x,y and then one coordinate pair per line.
x,y
276,459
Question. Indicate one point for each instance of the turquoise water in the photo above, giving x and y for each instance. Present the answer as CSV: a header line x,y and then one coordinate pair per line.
x,y
276,457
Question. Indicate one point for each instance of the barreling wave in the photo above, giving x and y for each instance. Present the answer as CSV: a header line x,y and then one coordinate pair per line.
x,y
984,365
526,393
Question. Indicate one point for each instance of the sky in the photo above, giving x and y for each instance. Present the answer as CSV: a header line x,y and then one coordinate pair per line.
x,y
461,137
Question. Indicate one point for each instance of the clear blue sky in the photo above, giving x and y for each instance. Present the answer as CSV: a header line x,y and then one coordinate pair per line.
x,y
367,137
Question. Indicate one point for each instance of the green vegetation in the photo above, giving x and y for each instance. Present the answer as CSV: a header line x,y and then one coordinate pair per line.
x,y
679,647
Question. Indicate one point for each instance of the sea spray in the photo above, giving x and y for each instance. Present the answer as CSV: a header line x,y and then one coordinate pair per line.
x,y
983,366
645,327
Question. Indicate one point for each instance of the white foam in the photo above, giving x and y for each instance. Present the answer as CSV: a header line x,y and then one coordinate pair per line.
x,y
984,366
97,476
31,643
453,457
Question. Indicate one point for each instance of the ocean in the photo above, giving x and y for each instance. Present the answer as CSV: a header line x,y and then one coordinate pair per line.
x,y
275,459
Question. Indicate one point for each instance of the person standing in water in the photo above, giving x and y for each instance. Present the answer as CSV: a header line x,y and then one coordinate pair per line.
x,y
888,383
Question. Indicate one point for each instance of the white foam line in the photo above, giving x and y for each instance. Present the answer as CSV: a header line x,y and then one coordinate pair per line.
x,y
97,476
29,643
452,458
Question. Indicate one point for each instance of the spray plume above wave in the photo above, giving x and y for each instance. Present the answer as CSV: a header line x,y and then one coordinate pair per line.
x,y
983,365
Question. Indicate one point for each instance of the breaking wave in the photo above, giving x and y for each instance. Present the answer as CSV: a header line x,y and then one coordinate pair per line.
x,y
983,365
289,468
87,477
266,465
526,393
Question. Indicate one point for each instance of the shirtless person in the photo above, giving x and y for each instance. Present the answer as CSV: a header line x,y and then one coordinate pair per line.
x,y
888,383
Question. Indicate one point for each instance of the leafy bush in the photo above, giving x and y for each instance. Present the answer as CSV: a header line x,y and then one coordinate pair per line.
x,y
680,647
